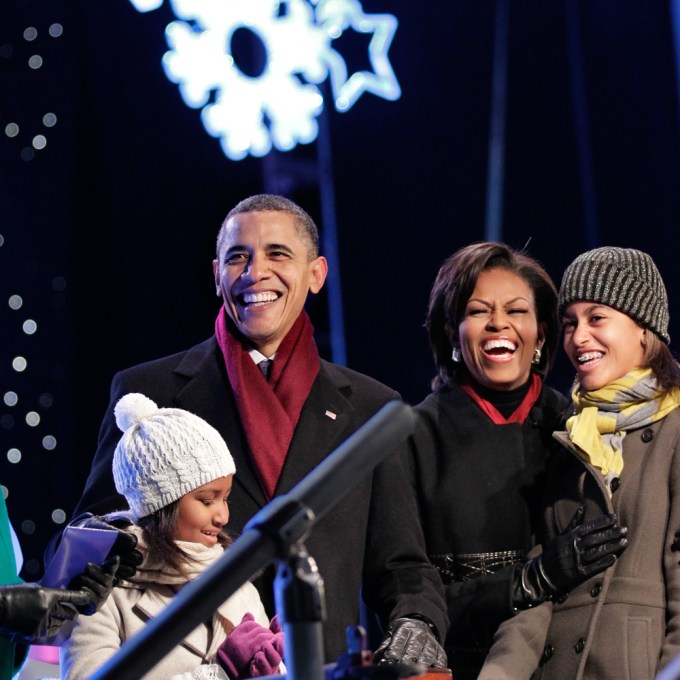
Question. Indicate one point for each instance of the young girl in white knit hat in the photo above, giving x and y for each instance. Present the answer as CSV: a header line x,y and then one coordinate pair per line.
x,y
175,472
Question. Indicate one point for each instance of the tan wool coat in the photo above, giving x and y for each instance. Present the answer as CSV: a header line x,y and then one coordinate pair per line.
x,y
623,624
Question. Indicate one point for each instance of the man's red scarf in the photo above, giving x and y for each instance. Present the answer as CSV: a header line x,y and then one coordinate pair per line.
x,y
519,415
270,409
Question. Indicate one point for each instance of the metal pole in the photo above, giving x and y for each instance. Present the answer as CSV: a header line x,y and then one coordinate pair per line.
x,y
499,88
329,236
579,102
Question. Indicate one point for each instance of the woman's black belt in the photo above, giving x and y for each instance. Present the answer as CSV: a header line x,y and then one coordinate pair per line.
x,y
468,566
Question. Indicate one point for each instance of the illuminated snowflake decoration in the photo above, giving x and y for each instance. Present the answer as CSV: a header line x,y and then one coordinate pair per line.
x,y
278,106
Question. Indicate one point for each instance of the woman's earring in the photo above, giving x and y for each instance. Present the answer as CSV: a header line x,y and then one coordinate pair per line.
x,y
536,359
455,355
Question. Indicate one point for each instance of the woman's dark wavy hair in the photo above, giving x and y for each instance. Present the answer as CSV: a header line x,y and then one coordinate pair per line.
x,y
454,285
158,530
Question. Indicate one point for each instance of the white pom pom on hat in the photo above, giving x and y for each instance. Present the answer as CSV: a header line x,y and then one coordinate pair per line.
x,y
164,453
132,408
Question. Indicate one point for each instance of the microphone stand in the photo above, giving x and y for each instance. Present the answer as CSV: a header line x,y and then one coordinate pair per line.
x,y
299,595
298,586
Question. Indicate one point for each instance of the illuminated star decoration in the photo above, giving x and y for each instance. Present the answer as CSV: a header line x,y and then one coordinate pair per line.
x,y
279,106
336,17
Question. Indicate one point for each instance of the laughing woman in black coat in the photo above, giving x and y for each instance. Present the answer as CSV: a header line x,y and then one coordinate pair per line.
x,y
481,447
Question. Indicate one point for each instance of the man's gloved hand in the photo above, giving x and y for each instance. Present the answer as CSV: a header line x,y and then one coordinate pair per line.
x,y
125,545
33,613
411,641
571,558
97,581
251,650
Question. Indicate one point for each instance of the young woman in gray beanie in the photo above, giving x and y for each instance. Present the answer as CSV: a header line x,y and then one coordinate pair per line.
x,y
621,454
175,472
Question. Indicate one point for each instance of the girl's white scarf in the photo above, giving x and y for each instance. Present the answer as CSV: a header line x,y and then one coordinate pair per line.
x,y
201,558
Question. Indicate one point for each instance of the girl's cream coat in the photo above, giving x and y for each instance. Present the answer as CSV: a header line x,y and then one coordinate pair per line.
x,y
95,639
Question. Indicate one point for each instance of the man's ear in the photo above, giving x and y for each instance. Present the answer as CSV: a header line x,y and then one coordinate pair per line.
x,y
318,270
216,276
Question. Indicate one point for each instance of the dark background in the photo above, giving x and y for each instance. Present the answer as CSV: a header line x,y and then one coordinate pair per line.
x,y
108,233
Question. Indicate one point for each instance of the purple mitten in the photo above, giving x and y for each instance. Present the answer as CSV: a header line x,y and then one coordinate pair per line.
x,y
268,658
250,650
275,624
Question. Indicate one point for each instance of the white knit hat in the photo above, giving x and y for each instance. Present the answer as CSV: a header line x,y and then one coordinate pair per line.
x,y
164,453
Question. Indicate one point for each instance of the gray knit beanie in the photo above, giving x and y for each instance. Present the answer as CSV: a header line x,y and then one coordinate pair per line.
x,y
622,278
164,453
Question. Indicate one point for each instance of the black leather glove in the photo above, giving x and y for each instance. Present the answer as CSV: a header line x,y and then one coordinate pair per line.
x,y
33,613
411,641
97,581
125,545
675,546
571,558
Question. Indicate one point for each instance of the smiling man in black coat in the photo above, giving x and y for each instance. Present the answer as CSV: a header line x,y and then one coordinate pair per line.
x,y
280,422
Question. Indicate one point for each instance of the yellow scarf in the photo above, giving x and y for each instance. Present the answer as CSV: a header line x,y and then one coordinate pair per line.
x,y
603,416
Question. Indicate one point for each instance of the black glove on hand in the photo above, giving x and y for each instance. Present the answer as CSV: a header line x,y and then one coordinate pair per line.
x,y
571,558
125,545
675,546
97,581
33,613
411,641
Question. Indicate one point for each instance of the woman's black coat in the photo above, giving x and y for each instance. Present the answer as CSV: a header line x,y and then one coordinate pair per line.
x,y
479,487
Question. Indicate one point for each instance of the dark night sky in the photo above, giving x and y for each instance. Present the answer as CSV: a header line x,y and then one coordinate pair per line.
x,y
108,233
